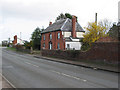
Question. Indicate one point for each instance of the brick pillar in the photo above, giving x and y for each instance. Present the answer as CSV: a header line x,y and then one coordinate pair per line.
x,y
74,26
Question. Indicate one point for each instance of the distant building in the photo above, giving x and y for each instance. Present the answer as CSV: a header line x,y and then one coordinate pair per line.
x,y
63,34
4,43
18,41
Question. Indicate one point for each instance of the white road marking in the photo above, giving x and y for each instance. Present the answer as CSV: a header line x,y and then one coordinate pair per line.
x,y
27,62
77,78
31,64
55,72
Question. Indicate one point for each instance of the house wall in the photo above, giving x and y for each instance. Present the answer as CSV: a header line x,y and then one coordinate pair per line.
x,y
54,40
66,34
78,34
73,45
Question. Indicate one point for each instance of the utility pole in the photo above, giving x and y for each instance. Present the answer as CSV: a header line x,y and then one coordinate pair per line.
x,y
119,11
96,18
20,37
8,41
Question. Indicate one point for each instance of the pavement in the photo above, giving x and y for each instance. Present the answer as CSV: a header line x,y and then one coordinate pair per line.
x,y
4,83
27,71
87,65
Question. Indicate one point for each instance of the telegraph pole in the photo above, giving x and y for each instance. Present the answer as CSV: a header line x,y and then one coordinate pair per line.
x,y
8,41
20,37
96,18
119,11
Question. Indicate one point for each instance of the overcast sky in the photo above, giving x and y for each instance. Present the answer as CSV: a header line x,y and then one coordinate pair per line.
x,y
25,15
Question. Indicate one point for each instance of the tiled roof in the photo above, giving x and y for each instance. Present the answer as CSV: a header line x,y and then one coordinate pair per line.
x,y
63,25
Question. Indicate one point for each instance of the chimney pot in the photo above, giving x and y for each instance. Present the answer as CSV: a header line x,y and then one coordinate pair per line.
x,y
50,23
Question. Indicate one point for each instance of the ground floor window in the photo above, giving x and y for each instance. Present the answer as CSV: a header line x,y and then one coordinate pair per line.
x,y
44,45
58,46
68,46
50,45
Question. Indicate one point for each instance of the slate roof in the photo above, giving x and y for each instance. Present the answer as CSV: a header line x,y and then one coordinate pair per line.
x,y
63,25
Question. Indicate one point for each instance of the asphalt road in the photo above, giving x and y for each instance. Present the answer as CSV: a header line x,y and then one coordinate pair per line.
x,y
26,71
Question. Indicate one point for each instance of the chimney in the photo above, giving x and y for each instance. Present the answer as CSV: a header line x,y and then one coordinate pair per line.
x,y
15,40
50,23
74,26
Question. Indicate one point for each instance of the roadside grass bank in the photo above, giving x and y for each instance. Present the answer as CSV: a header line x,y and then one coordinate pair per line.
x,y
11,48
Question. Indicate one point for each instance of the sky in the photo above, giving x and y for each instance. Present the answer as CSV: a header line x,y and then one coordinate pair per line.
x,y
26,15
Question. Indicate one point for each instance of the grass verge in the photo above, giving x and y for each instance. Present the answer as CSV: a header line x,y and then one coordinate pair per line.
x,y
11,48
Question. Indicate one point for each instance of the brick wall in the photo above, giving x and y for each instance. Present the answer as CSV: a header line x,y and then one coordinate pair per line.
x,y
105,52
54,40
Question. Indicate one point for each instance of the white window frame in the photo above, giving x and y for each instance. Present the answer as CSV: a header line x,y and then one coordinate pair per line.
x,y
51,36
58,35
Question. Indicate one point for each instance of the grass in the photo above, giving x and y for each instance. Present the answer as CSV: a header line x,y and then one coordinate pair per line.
x,y
11,48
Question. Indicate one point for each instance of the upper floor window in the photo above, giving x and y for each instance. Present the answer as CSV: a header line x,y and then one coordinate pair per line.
x,y
44,37
58,35
50,36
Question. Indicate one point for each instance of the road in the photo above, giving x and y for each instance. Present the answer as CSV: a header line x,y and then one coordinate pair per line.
x,y
26,71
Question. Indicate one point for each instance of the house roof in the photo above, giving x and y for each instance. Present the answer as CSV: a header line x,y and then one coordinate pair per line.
x,y
63,25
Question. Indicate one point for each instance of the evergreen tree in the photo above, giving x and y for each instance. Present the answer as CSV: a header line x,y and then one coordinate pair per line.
x,y
36,38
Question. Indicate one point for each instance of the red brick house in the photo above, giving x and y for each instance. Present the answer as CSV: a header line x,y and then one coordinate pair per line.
x,y
63,34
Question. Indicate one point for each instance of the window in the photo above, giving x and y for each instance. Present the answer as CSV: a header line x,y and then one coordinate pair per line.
x,y
50,36
50,45
68,46
58,46
44,37
58,35
44,45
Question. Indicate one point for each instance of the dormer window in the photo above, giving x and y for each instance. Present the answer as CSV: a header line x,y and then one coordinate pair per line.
x,y
50,36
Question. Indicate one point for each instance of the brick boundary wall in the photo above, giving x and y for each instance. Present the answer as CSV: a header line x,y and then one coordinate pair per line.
x,y
99,52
